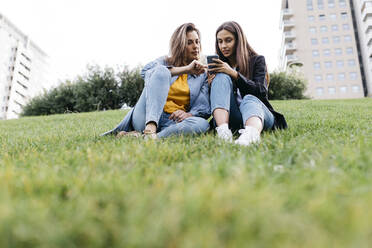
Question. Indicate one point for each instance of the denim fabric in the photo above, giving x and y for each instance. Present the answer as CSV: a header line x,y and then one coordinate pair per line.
x,y
150,108
222,96
199,88
151,103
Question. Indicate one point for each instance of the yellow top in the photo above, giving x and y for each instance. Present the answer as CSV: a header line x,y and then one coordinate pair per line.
x,y
178,95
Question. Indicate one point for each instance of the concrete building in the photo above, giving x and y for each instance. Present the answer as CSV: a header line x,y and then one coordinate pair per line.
x,y
362,10
319,35
24,69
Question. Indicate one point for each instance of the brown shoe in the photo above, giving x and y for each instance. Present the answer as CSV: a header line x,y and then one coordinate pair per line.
x,y
148,134
128,134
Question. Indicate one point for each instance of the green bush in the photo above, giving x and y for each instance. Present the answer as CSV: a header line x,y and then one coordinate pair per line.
x,y
99,89
284,85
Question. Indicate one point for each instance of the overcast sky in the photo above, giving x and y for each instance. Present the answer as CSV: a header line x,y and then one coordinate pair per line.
x,y
75,33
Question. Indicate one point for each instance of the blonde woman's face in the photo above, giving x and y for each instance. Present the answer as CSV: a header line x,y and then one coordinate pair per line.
x,y
226,43
192,46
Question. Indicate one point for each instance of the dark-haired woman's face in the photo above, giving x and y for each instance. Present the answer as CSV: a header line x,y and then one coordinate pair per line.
x,y
226,43
192,46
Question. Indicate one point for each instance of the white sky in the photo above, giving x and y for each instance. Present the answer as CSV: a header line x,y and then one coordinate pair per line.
x,y
75,33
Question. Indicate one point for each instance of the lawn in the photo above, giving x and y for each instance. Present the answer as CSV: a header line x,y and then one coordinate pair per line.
x,y
61,185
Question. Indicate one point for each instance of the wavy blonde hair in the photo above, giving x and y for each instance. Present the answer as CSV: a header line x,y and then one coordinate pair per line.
x,y
178,43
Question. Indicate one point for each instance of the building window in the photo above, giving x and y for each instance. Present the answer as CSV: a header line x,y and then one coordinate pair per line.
x,y
319,91
311,18
345,26
338,51
316,65
342,3
333,16
320,4
343,89
325,40
334,27
340,63
329,77
351,62
315,53
327,52
312,30
343,15
336,39
355,88
323,29
349,50
331,3
322,17
328,64
347,38
309,4
331,90
318,78
314,41
341,76
353,75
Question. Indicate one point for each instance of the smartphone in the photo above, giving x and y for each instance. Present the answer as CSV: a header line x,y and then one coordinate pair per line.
x,y
210,60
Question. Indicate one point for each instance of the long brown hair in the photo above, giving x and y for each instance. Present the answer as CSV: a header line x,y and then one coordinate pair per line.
x,y
243,51
178,43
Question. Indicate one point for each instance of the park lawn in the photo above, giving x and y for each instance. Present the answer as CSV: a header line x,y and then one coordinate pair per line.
x,y
61,185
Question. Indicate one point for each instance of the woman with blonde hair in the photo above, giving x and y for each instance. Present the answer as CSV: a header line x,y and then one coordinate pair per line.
x,y
175,99
239,89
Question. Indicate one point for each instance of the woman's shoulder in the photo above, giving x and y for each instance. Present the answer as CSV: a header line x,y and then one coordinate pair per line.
x,y
257,59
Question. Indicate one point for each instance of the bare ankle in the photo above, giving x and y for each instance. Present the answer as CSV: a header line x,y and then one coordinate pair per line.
x,y
151,126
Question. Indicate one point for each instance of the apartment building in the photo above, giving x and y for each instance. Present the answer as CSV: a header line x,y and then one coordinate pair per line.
x,y
319,37
362,10
24,69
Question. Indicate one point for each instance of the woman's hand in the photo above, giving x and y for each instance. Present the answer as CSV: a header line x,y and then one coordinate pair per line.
x,y
179,115
223,67
196,68
210,78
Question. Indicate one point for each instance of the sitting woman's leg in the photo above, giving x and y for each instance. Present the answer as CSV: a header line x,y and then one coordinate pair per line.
x,y
191,125
256,117
224,107
220,98
150,106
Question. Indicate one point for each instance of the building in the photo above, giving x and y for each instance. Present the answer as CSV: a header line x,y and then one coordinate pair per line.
x,y
321,36
24,69
362,10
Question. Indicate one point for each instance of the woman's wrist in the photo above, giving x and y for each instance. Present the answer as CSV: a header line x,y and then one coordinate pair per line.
x,y
234,74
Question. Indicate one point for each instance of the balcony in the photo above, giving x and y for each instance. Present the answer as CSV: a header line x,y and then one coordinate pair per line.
x,y
289,36
286,14
286,25
292,60
369,38
366,10
290,47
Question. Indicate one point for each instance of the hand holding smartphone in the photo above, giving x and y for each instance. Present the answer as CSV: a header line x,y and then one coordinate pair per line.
x,y
210,61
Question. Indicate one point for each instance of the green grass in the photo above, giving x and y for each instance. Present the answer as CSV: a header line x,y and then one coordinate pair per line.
x,y
61,185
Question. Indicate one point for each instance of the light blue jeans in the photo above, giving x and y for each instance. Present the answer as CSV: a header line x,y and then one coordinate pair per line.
x,y
222,96
150,105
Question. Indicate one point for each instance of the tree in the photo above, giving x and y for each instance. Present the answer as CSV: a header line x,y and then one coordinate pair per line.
x,y
285,86
131,85
98,89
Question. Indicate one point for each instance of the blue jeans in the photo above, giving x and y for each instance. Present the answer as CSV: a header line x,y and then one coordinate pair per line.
x,y
222,96
150,105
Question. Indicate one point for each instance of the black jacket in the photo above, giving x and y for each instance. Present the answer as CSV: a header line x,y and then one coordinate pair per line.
x,y
257,86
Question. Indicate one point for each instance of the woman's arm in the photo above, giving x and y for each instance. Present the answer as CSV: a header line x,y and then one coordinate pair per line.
x,y
195,68
258,85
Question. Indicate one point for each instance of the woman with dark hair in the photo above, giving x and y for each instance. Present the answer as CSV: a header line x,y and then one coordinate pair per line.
x,y
239,89
175,99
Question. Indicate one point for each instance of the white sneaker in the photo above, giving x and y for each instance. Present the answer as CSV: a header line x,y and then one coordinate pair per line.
x,y
224,133
248,136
